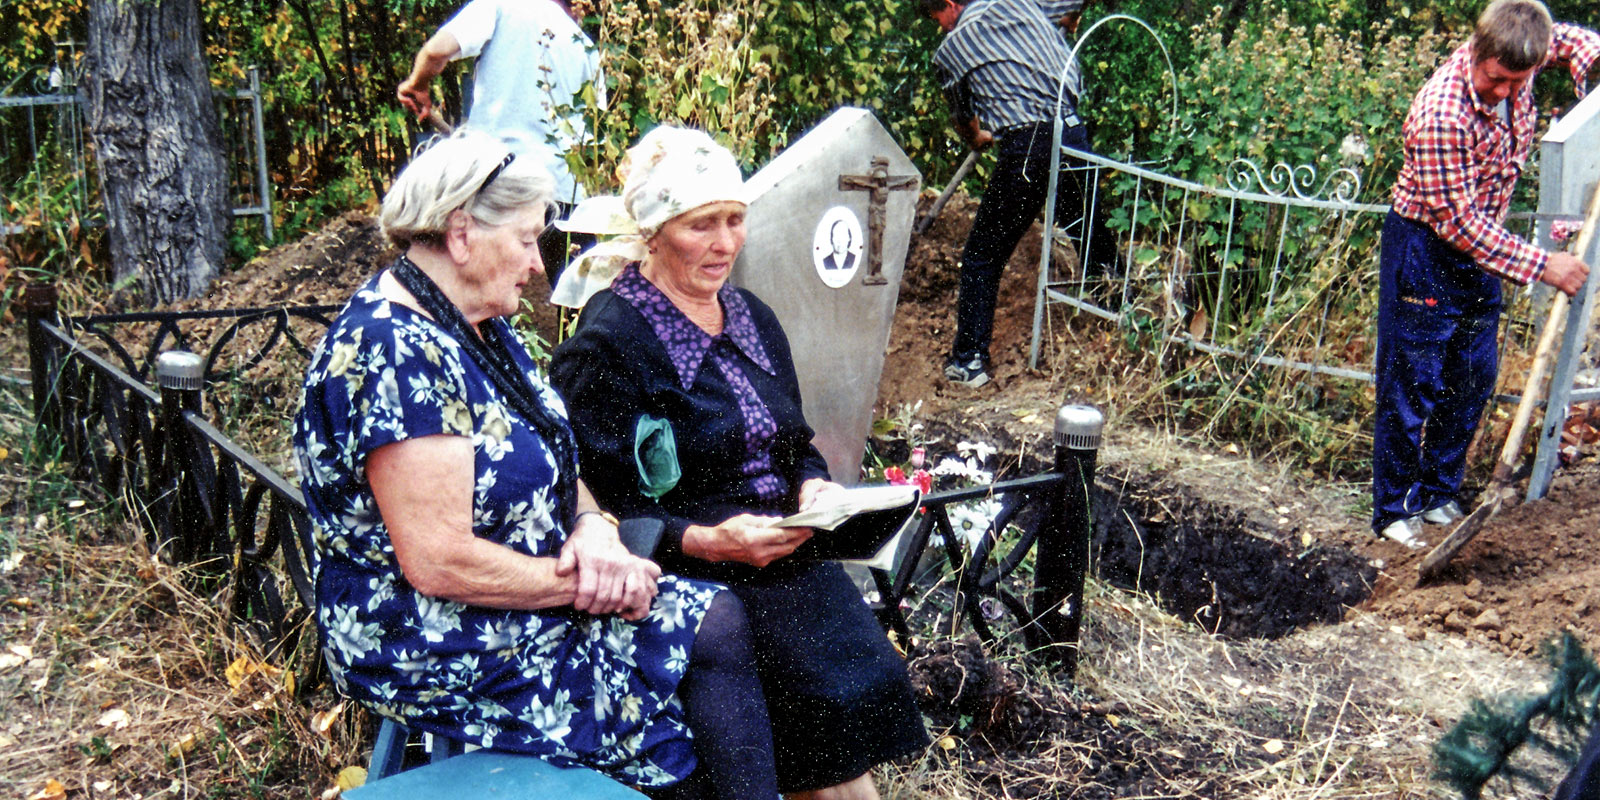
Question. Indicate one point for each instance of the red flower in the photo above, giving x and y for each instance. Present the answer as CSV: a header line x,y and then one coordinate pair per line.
x,y
896,476
923,479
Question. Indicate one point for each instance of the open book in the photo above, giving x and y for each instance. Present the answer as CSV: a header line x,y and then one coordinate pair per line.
x,y
854,523
833,508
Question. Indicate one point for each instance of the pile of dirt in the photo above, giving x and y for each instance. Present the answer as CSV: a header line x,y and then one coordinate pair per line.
x,y
1529,575
321,269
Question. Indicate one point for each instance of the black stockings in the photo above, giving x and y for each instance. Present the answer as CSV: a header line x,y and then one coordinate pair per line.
x,y
727,712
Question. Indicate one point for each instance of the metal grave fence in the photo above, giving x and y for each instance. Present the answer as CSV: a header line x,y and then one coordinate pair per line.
x,y
46,175
1278,267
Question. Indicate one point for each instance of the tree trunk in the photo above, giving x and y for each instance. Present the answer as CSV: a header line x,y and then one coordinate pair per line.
x,y
158,146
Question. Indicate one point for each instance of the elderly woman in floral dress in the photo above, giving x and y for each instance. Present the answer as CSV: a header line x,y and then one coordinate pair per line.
x,y
687,409
466,583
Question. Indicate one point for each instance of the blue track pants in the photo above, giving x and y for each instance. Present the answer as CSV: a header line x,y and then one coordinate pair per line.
x,y
1437,355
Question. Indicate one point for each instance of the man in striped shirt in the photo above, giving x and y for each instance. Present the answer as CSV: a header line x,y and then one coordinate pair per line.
x,y
1445,251
1001,64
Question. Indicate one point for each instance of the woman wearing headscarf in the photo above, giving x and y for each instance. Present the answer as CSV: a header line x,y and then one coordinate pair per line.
x,y
466,583
684,398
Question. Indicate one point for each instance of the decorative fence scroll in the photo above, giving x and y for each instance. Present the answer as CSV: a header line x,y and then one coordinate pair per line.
x,y
202,499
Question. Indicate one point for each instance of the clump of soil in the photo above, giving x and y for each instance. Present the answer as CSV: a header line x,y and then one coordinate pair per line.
x,y
321,269
1208,567
1016,738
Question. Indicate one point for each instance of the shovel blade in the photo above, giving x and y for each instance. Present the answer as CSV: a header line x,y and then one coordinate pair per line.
x,y
1438,558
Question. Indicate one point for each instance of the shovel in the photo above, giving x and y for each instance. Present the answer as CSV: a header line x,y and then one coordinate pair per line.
x,y
437,122
1504,470
944,197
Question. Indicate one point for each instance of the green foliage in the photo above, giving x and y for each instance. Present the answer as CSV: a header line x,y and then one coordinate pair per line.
x,y
1486,746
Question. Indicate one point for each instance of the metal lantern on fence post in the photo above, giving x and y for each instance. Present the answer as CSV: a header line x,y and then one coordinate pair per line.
x,y
181,376
1063,549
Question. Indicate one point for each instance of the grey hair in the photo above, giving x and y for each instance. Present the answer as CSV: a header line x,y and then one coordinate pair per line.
x,y
449,175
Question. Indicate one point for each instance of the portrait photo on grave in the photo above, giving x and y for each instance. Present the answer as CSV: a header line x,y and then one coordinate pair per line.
x,y
836,246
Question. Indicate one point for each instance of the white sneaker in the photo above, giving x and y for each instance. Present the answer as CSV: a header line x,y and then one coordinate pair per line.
x,y
1446,514
1406,531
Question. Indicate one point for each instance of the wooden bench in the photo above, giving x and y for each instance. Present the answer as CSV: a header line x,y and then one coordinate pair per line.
x,y
480,773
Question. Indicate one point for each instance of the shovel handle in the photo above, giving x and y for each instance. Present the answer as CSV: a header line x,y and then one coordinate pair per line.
x,y
1542,356
949,189
437,122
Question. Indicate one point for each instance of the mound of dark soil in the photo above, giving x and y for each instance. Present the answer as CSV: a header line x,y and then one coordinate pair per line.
x,y
1529,575
1018,739
1205,565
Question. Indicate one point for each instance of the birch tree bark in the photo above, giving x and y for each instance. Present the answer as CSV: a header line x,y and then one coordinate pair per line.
x,y
158,146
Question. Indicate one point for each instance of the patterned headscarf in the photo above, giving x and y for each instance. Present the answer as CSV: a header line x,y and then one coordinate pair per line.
x,y
669,172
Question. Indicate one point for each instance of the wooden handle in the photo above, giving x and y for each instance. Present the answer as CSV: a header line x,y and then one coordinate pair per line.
x,y
949,189
437,122
1542,356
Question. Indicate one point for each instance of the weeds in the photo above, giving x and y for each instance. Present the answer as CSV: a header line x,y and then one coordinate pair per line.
x,y
126,683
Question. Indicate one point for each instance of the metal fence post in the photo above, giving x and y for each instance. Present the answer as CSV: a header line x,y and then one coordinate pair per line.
x,y
181,375
263,184
1063,551
39,305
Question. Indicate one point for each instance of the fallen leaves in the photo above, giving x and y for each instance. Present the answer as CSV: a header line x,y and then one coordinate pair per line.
x,y
52,790
322,721
351,777
244,666
115,719
183,746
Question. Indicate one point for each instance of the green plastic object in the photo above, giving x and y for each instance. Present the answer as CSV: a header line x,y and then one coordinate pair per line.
x,y
484,773
655,451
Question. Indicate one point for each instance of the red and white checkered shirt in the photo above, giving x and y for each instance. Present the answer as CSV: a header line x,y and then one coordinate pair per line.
x,y
1462,159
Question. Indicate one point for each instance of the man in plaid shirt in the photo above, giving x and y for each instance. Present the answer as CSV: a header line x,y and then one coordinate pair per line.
x,y
1445,251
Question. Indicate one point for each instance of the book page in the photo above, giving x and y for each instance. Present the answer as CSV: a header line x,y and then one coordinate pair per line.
x,y
833,508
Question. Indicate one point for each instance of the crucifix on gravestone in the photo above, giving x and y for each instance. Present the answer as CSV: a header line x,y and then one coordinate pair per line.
x,y
880,183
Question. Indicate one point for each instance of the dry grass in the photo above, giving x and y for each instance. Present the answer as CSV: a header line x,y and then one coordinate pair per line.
x,y
120,684
1344,711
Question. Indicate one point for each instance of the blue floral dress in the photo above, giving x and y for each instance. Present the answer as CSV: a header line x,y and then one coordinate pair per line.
x,y
567,686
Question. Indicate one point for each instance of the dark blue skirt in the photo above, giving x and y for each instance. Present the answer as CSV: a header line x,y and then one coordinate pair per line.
x,y
837,690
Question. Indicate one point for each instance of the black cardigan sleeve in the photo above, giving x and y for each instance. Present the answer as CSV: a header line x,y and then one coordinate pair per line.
x,y
800,454
595,376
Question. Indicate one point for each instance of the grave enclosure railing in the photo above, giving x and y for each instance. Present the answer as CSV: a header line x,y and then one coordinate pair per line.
x,y
1276,268
203,500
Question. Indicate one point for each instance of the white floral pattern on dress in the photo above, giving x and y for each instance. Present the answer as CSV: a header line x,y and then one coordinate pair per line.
x,y
574,689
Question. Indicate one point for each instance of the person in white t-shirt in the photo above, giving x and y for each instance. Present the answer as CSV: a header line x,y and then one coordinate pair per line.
x,y
533,66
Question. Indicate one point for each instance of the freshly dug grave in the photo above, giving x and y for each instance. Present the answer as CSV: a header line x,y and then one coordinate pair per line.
x,y
1532,566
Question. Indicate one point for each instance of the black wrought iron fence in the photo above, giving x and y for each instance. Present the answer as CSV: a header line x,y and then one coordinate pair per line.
x,y
202,499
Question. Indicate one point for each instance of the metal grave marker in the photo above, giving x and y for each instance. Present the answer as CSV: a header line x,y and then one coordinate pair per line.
x,y
832,280
1569,161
